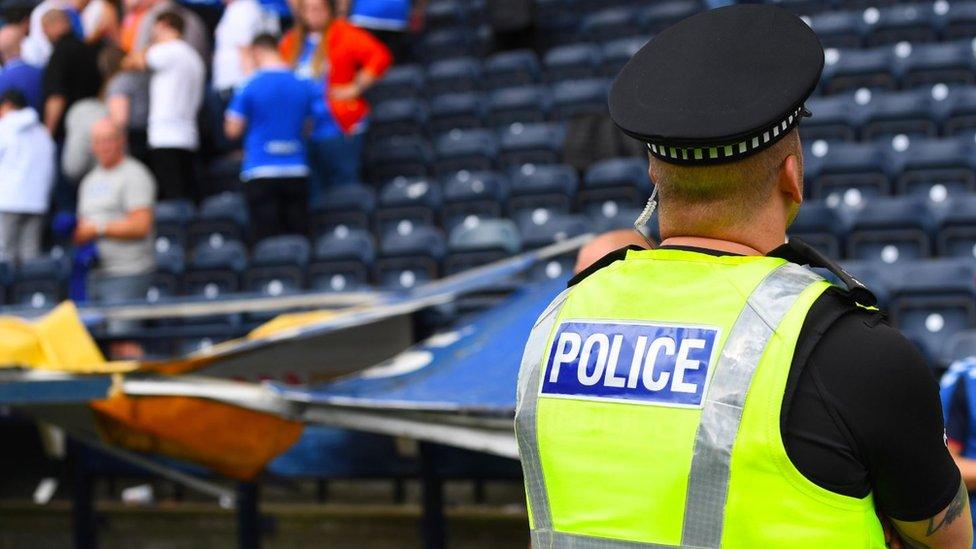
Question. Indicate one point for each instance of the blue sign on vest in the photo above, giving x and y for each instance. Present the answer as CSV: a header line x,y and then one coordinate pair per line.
x,y
641,363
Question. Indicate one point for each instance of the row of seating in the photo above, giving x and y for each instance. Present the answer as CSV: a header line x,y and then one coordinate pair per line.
x,y
902,22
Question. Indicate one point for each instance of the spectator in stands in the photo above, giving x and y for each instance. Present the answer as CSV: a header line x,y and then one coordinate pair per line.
x,y
127,101
26,177
37,47
175,96
194,31
242,21
76,155
71,73
115,210
608,242
16,73
100,21
347,61
391,21
274,107
958,383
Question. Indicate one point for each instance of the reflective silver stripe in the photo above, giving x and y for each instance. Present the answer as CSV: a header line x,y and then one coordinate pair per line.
x,y
562,540
708,482
525,420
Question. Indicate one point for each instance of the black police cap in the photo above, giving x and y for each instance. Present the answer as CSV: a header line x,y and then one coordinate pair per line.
x,y
720,85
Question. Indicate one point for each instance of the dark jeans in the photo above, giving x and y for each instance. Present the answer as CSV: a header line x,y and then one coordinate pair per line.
x,y
334,162
278,205
175,173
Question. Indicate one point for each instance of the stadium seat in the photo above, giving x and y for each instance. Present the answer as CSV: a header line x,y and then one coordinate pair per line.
x,y
538,143
343,260
610,22
397,117
938,63
480,241
552,187
804,7
278,265
935,168
611,217
623,181
397,156
852,69
511,68
215,269
444,13
579,97
402,81
959,21
461,74
40,283
222,216
957,228
820,226
444,43
412,200
900,23
473,150
960,114
167,280
461,111
898,113
538,231
661,15
351,206
617,52
958,346
523,104
832,119
890,230
837,29
835,169
478,194
410,257
171,219
574,62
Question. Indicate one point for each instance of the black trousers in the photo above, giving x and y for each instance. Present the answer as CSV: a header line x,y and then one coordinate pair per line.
x,y
175,173
278,205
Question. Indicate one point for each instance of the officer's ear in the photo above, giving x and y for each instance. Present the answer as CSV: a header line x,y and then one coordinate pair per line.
x,y
789,180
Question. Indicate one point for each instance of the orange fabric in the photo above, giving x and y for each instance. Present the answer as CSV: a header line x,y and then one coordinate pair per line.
x,y
349,49
232,441
130,28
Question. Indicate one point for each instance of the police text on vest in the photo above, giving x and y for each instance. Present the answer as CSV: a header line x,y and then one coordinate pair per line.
x,y
642,363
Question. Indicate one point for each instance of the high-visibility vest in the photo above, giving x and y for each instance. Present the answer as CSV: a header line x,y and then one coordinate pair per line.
x,y
649,410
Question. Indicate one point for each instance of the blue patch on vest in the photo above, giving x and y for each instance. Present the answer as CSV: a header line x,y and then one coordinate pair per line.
x,y
642,363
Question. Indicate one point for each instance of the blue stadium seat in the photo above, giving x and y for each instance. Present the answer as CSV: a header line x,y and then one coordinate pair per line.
x,y
397,156
852,69
461,111
574,62
351,206
399,82
960,21
945,63
40,283
171,219
538,231
523,104
838,29
898,113
397,117
215,269
820,226
617,52
557,22
410,257
538,143
958,346
900,23
511,68
957,228
623,181
278,265
579,97
444,43
551,187
417,201
461,74
804,7
931,300
223,215
478,194
960,115
444,13
475,149
480,241
832,119
891,230
661,15
342,261
611,217
933,167
616,22
835,169
167,280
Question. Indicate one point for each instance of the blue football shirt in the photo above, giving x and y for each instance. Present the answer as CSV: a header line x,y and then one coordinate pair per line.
x,y
380,14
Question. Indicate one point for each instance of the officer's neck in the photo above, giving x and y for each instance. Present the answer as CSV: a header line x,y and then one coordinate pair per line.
x,y
711,244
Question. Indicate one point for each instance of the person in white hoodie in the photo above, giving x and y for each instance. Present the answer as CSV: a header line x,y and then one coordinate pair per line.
x,y
26,176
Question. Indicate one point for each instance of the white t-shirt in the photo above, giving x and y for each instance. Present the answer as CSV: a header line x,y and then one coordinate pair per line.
x,y
92,15
175,95
242,21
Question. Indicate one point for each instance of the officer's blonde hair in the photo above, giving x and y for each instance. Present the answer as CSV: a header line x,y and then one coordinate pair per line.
x,y
705,198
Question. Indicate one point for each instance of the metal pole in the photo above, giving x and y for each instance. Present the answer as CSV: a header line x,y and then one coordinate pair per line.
x,y
248,516
432,521
83,517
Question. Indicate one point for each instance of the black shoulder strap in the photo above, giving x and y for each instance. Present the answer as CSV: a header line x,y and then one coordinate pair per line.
x,y
799,252
604,261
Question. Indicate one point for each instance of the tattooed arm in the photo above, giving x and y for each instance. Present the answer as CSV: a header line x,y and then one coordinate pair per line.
x,y
951,528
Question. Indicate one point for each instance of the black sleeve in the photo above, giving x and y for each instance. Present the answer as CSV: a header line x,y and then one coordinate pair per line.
x,y
55,74
879,387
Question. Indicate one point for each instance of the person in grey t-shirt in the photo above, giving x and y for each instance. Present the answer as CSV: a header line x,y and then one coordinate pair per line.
x,y
127,98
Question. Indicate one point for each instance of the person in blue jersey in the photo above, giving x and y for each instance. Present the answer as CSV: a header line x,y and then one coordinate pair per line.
x,y
392,21
957,386
271,112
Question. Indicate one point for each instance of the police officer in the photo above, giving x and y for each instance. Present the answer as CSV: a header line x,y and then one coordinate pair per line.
x,y
714,391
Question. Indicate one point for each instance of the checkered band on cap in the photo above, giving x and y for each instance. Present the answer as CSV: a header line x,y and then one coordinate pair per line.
x,y
728,152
